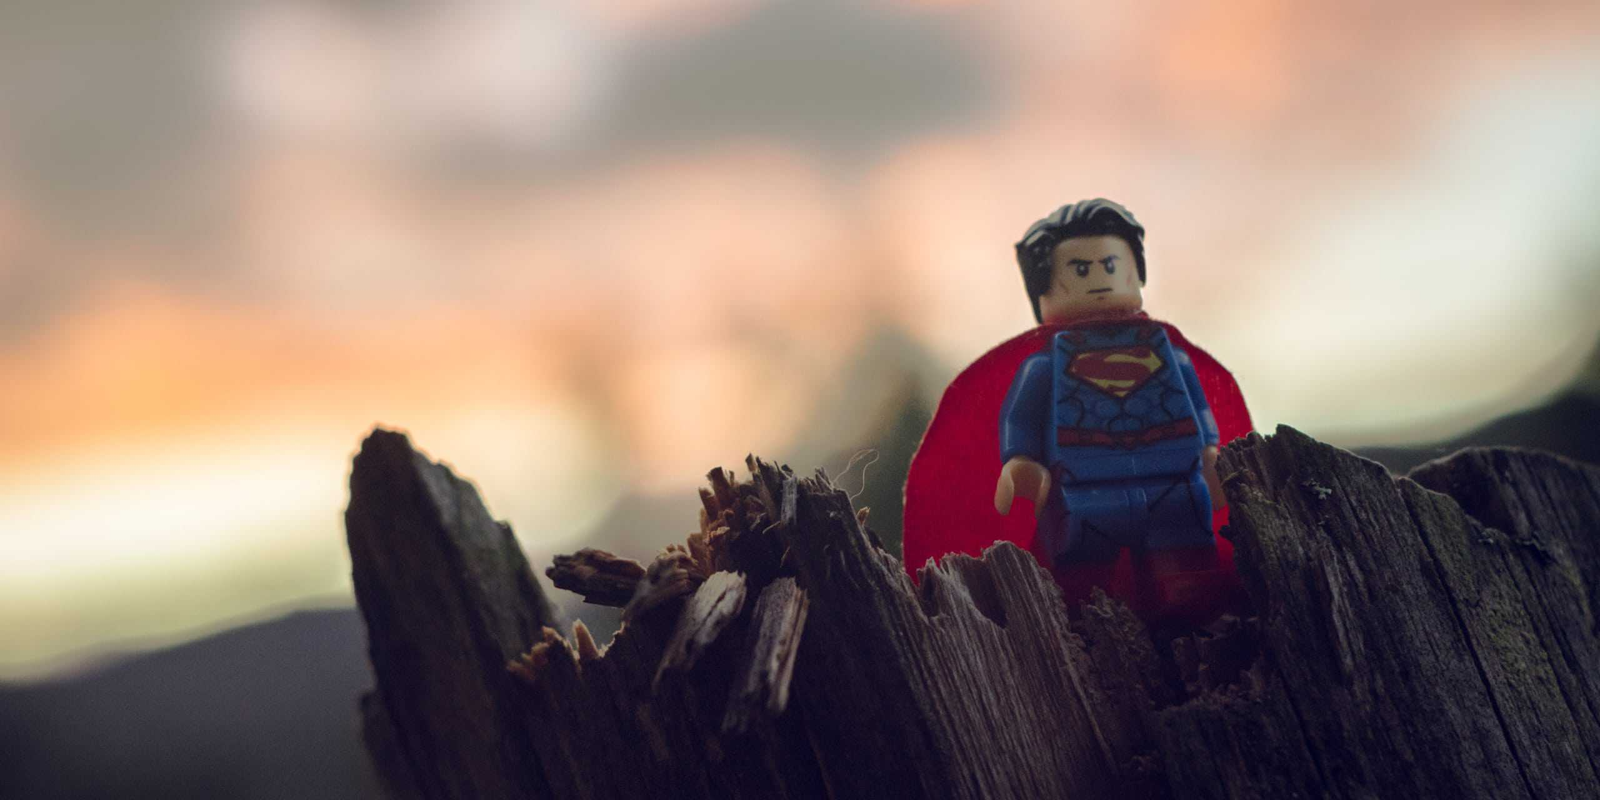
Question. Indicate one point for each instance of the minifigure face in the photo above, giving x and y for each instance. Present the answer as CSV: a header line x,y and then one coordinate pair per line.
x,y
1094,277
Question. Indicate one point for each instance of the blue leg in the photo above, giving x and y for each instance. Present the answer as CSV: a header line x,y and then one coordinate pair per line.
x,y
1177,576
1097,523
1176,512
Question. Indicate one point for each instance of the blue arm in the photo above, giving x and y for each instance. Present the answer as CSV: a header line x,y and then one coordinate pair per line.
x,y
1197,397
1025,416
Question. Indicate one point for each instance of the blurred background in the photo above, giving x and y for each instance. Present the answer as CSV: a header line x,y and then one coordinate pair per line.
x,y
585,251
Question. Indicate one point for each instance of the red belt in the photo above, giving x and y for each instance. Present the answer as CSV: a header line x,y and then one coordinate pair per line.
x,y
1085,437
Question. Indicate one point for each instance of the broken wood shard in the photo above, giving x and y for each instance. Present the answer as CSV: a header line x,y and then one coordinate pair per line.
x,y
713,607
670,577
448,600
772,645
1424,637
600,577
550,647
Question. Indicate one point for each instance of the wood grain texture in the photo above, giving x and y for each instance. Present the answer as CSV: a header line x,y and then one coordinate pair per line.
x,y
1422,637
714,606
761,685
601,578
448,599
1406,647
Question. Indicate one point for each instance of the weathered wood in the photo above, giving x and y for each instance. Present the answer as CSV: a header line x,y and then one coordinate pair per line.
x,y
1428,637
1403,655
713,607
600,577
1129,685
671,577
762,685
856,686
1543,517
448,599
381,738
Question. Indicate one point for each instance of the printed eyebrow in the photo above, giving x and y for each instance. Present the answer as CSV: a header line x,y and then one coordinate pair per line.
x,y
1080,262
1108,260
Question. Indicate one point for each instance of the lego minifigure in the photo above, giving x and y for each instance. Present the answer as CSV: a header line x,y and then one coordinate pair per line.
x,y
1110,428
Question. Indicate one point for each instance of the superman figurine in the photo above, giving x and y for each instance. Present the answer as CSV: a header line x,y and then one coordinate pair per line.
x,y
1106,420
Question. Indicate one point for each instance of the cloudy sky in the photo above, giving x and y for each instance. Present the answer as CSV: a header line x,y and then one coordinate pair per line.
x,y
553,239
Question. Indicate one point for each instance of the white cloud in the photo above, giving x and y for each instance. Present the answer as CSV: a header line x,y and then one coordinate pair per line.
x,y
487,73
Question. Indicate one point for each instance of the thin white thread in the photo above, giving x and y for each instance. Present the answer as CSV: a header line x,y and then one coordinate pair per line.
x,y
870,451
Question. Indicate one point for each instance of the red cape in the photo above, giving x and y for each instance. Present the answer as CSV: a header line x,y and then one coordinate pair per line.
x,y
949,498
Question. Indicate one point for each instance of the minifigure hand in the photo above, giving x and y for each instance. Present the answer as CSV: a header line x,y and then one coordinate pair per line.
x,y
1021,475
1208,458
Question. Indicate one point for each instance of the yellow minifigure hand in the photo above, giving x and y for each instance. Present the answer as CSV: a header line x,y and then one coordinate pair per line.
x,y
1025,476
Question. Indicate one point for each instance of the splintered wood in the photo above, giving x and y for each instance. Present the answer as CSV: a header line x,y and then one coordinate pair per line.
x,y
1417,643
772,643
714,606
600,577
1430,637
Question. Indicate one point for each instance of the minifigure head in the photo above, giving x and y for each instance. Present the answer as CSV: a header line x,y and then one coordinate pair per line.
x,y
1085,261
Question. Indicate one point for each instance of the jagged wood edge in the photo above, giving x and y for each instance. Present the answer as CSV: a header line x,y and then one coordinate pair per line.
x,y
1521,537
1409,650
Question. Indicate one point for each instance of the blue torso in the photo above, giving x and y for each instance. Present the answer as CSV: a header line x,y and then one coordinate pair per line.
x,y
1117,413
1108,402
1120,409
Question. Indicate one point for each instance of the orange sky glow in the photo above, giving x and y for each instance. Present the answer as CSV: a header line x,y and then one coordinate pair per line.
x,y
572,300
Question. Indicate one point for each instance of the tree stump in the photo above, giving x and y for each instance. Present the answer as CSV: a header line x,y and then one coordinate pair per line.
x,y
1423,637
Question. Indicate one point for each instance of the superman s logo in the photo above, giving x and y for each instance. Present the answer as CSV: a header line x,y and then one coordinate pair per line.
x,y
1117,371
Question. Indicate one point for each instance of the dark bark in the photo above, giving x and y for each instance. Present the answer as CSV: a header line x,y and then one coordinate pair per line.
x,y
448,600
1424,637
1405,638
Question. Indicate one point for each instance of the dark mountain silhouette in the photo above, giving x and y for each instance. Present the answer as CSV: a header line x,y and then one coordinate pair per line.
x,y
1568,424
265,710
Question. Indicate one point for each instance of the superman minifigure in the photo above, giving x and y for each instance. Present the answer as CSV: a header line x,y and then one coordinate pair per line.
x,y
1110,427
